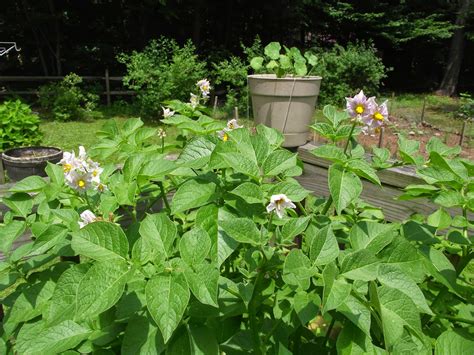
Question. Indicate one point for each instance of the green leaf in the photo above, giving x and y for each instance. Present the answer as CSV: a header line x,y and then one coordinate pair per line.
x,y
344,186
54,235
63,301
397,311
55,173
9,233
32,301
454,341
306,306
158,234
300,68
20,203
357,312
196,153
285,62
372,236
363,169
271,65
297,269
336,291
360,265
156,169
393,277
418,232
249,192
101,241
353,341
142,337
256,63
273,50
274,137
294,227
330,152
440,267
291,188
324,247
242,230
167,298
436,145
240,163
101,288
278,161
194,246
449,199
202,340
36,338
132,166
193,193
440,219
203,282
29,184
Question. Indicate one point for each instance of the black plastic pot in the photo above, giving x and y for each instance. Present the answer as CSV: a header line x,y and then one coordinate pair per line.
x,y
22,162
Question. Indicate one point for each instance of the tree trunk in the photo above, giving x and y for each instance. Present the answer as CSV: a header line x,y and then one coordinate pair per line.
x,y
197,23
451,75
57,53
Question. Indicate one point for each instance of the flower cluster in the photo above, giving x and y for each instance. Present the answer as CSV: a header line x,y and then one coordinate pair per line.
x,y
231,125
204,87
81,172
366,110
167,113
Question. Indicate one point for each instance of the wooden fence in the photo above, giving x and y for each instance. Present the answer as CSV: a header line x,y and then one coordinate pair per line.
x,y
108,93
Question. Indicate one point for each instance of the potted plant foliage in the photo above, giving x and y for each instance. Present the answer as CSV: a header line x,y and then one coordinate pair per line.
x,y
283,93
19,134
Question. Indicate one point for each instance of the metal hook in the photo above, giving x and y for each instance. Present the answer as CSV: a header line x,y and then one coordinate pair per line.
x,y
5,50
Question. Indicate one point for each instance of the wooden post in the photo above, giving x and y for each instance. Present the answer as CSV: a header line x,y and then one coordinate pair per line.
x,y
215,103
236,112
391,103
107,86
382,129
423,111
2,172
463,132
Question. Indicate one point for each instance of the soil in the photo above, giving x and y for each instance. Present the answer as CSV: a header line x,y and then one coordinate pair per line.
x,y
422,132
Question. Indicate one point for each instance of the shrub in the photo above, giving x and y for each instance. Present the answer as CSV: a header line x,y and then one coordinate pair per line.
x,y
66,100
466,108
19,126
347,70
162,71
232,74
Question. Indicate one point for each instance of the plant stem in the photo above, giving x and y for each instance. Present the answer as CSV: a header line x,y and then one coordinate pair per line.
x,y
455,319
253,314
163,195
162,145
330,199
328,332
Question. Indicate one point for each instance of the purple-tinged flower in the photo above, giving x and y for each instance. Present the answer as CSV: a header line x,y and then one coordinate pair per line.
x,y
359,105
377,118
87,217
279,203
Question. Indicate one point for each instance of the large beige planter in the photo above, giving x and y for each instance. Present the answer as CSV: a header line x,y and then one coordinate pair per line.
x,y
286,104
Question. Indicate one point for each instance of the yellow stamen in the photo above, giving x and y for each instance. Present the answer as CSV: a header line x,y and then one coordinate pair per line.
x,y
378,116
67,168
225,137
359,109
81,184
95,173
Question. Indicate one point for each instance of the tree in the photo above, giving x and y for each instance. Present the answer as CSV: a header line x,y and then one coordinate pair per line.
x,y
451,75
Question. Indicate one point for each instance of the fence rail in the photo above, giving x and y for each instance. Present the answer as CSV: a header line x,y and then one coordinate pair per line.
x,y
108,93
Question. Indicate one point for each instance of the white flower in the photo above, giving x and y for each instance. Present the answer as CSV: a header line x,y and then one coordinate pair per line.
x,y
79,180
204,86
223,134
100,186
279,203
87,217
161,133
194,101
232,124
167,113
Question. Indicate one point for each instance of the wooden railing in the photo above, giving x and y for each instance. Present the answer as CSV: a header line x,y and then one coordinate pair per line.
x,y
108,93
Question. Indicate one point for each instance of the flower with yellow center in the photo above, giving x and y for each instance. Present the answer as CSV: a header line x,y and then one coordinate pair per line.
x,y
67,167
377,119
359,106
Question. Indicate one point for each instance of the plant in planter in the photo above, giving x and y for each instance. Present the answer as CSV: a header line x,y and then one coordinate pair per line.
x,y
242,259
19,129
285,96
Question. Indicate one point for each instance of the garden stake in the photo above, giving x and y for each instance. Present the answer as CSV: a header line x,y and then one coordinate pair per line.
x,y
107,86
214,108
422,120
236,113
381,137
463,132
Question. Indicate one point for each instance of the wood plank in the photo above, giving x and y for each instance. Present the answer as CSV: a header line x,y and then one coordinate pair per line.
x,y
397,177
315,179
53,78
